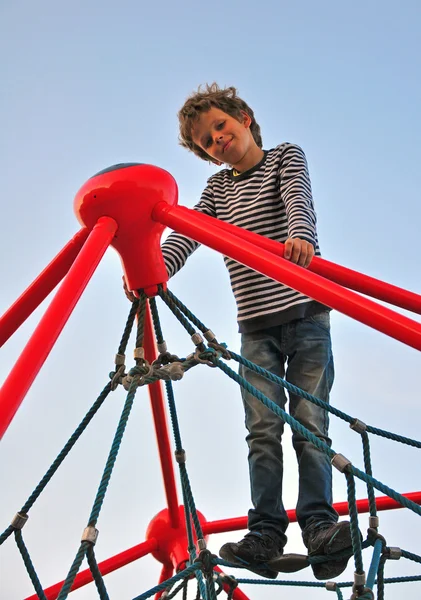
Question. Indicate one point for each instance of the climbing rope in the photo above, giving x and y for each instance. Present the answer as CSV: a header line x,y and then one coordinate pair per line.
x,y
202,563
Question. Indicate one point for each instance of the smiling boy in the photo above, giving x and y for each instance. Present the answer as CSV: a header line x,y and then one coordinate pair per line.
x,y
269,192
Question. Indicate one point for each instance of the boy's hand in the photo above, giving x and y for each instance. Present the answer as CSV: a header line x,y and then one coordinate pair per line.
x,y
299,251
128,293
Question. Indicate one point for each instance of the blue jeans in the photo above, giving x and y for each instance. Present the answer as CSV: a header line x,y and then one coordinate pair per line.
x,y
300,352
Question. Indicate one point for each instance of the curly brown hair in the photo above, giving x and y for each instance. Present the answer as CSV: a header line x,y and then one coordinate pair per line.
x,y
203,100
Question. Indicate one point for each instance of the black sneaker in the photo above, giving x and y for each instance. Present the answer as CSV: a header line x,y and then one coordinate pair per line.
x,y
326,539
253,552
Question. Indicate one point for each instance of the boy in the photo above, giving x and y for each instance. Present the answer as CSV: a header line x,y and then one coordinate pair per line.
x,y
283,331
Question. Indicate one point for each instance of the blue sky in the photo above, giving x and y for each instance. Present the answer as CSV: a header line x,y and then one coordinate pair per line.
x,y
89,84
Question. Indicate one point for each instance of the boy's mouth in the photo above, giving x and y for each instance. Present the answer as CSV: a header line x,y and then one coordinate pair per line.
x,y
227,145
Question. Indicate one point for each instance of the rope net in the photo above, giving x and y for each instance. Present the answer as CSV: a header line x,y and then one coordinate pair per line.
x,y
202,571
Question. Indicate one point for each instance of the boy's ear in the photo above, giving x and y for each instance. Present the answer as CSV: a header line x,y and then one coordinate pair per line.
x,y
246,119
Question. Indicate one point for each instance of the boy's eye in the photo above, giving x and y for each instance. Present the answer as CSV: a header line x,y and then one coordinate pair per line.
x,y
208,142
220,125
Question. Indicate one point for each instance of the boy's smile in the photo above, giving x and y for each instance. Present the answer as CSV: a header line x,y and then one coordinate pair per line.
x,y
227,140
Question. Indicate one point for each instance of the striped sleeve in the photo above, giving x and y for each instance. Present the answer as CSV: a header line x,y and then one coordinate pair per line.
x,y
297,196
177,247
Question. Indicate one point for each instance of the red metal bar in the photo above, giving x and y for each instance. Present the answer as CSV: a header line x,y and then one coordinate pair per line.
x,y
238,594
346,277
49,328
190,223
166,573
161,427
41,287
342,508
105,567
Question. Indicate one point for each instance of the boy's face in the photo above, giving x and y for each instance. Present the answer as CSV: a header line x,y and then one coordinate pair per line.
x,y
226,140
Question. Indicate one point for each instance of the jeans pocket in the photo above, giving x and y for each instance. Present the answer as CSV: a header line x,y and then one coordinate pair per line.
x,y
321,319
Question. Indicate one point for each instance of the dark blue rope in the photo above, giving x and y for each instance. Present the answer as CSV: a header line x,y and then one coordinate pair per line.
x,y
355,532
113,455
156,321
410,556
176,312
96,573
369,471
128,328
28,564
183,308
65,590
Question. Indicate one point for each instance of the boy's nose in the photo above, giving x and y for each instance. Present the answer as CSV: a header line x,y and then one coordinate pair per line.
x,y
218,138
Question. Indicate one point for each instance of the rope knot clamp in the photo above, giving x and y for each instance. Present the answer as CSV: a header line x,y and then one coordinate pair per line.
x,y
358,426
373,535
19,520
222,348
139,353
373,522
331,586
197,339
209,336
206,558
358,588
204,361
117,376
165,358
148,371
119,359
201,544
90,534
180,456
176,371
393,553
162,347
340,462
229,580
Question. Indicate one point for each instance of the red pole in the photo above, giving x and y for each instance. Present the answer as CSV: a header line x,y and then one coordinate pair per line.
x,y
161,427
342,508
190,223
105,567
346,277
41,287
49,328
166,573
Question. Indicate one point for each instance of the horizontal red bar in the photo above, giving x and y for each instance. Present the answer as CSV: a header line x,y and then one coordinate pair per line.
x,y
106,566
382,503
342,275
191,223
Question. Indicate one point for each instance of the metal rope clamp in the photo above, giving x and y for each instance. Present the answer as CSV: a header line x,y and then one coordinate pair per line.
x,y
149,373
203,361
118,376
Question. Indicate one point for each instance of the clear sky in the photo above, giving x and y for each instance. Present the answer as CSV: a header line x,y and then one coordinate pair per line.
x,y
88,84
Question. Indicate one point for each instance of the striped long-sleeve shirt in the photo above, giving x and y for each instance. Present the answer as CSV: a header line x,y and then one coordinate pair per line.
x,y
273,199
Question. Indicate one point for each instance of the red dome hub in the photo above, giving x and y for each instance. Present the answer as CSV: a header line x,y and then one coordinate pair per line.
x,y
128,194
172,542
